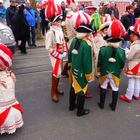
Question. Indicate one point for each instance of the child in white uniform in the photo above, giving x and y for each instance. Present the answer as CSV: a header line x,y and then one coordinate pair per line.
x,y
10,109
133,66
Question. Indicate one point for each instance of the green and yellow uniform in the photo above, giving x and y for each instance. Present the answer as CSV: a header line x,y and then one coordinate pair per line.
x,y
81,65
105,66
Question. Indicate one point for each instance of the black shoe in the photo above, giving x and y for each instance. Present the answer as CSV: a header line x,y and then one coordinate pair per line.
x,y
112,108
34,45
101,106
83,112
30,45
71,108
23,52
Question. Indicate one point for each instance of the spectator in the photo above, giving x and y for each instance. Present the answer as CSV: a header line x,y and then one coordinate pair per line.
x,y
137,11
127,20
10,13
101,5
82,7
2,12
30,16
116,11
110,10
64,12
104,8
22,30
44,22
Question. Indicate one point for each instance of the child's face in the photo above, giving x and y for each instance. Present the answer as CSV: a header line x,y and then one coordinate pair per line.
x,y
2,66
104,32
58,23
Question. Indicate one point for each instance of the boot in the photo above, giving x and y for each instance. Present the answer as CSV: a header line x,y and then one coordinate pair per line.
x,y
65,70
114,100
54,89
60,92
102,98
72,99
80,106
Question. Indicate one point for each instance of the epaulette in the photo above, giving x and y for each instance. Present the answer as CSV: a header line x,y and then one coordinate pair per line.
x,y
88,40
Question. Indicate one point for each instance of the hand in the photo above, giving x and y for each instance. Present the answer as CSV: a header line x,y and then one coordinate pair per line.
x,y
127,51
98,74
90,81
60,56
64,54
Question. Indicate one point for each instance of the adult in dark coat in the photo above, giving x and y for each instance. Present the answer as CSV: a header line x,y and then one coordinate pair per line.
x,y
22,30
127,20
64,12
137,11
10,13
44,22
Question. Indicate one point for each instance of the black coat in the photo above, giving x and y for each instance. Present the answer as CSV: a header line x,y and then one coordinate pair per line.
x,y
137,12
22,30
10,13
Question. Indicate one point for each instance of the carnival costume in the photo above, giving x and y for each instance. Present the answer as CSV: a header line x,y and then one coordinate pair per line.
x,y
54,42
80,62
133,66
111,61
10,109
69,33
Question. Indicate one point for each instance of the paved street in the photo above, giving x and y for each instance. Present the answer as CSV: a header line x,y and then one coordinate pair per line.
x,y
45,120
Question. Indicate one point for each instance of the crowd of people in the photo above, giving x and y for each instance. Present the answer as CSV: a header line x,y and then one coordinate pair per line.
x,y
96,43
22,19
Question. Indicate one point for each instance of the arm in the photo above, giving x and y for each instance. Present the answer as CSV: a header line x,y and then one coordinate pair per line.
x,y
131,54
3,12
49,44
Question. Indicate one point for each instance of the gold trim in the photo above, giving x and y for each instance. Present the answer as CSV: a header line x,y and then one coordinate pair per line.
x,y
89,77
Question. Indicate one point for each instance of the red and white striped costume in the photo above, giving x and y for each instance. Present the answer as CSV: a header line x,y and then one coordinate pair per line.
x,y
54,41
133,66
10,109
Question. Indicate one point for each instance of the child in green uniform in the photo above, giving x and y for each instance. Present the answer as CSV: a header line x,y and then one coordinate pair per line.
x,y
111,61
80,61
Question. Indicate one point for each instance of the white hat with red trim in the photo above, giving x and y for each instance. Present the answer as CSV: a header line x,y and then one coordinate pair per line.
x,y
136,28
53,11
5,56
81,22
116,32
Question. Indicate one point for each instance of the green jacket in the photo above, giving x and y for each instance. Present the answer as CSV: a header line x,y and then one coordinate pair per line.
x,y
105,67
81,65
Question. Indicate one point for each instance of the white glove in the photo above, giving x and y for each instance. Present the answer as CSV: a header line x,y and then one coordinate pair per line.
x,y
90,81
127,51
98,74
60,56
64,54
